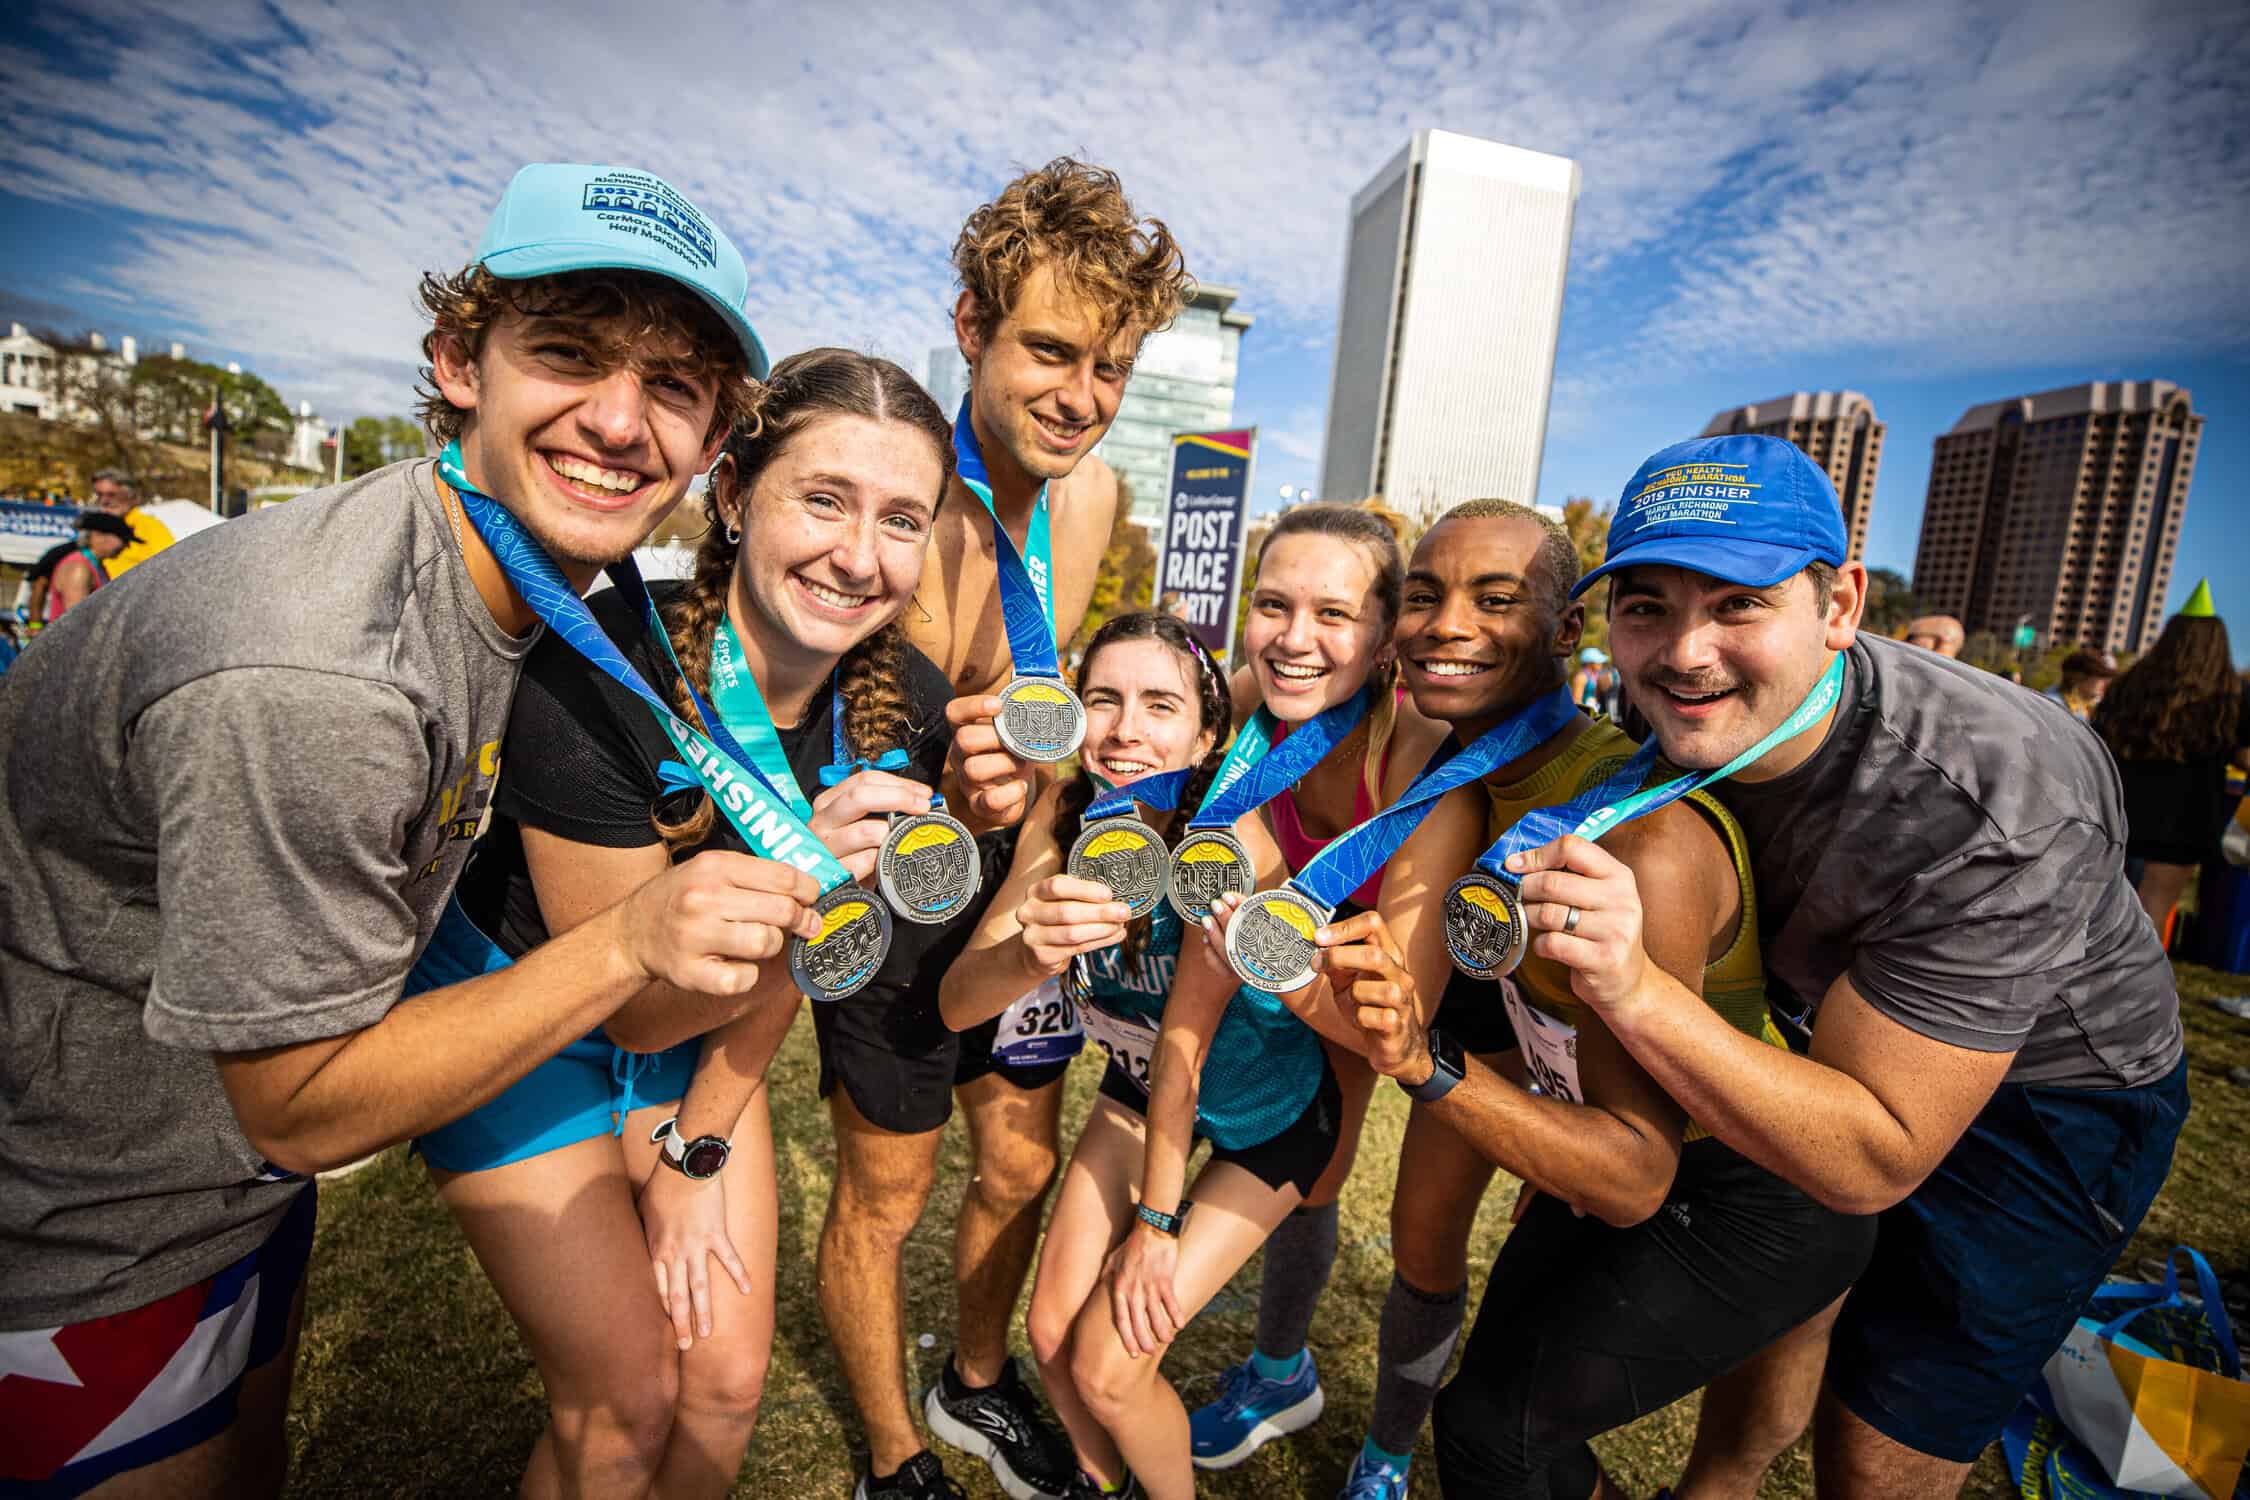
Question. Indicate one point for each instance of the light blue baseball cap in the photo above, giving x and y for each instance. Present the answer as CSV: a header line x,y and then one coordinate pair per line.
x,y
1747,508
558,217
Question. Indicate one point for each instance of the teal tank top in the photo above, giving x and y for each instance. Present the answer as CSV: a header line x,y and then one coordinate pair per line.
x,y
1264,1065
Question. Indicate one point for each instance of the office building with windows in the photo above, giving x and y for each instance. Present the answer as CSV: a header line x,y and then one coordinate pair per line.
x,y
2061,511
1445,339
1837,430
1183,381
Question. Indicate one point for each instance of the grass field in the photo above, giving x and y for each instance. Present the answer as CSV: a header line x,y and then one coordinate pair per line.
x,y
411,1381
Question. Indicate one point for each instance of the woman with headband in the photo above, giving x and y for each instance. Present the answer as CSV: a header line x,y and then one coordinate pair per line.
x,y
622,1197
1088,908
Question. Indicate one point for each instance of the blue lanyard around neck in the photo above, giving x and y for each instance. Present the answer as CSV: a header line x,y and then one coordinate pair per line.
x,y
1253,775
771,827
1027,608
1344,865
1161,791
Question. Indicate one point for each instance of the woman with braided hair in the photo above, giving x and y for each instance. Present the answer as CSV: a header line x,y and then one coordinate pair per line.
x,y
1190,1056
599,1191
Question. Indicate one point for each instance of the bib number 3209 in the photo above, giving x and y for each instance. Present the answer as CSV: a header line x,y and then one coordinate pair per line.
x,y
1039,1027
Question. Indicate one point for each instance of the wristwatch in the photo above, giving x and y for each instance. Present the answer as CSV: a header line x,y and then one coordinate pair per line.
x,y
1164,1223
1447,1068
698,1160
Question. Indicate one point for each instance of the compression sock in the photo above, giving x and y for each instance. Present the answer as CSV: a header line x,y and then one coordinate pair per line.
x,y
1267,1368
1299,1255
1411,1350
1378,1455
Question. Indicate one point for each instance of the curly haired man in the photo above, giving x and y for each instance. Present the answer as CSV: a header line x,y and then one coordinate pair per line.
x,y
1061,280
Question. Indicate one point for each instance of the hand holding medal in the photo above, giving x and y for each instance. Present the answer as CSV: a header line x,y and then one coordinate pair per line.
x,y
1119,851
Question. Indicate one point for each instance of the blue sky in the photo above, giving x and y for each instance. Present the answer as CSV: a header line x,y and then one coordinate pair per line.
x,y
1935,204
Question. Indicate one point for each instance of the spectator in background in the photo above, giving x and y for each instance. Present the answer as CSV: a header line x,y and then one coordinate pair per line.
x,y
102,538
2174,720
2086,676
115,492
1586,681
41,577
1940,633
1174,603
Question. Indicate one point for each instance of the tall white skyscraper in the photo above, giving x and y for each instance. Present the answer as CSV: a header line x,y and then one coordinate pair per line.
x,y
948,380
1445,341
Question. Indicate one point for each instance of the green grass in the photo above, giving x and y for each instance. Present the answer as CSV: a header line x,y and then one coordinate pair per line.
x,y
411,1381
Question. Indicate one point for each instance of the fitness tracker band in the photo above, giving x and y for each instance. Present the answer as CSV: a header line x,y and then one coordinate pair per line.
x,y
1447,1068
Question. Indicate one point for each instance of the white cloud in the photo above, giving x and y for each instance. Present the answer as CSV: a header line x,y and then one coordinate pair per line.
x,y
1910,182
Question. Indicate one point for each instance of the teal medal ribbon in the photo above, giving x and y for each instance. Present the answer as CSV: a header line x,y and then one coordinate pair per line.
x,y
767,819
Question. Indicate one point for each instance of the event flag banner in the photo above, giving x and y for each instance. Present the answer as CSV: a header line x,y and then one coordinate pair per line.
x,y
1204,520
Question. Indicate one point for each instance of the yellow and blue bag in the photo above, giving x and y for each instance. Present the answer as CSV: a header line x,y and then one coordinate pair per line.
x,y
2145,1397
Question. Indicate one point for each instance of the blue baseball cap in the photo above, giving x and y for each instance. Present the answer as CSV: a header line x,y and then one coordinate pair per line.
x,y
1751,510
558,217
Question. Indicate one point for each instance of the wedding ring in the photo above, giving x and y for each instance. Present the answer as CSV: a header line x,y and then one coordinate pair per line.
x,y
1570,923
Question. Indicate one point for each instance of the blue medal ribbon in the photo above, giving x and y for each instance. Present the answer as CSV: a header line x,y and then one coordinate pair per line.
x,y
1621,798
773,828
1351,857
1026,608
1161,791
1253,775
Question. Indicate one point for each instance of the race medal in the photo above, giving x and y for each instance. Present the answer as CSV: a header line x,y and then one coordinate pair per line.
x,y
928,867
1209,863
1270,942
855,933
1484,926
1124,854
1041,719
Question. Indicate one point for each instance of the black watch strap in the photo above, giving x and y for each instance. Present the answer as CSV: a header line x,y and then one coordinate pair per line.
x,y
1446,1069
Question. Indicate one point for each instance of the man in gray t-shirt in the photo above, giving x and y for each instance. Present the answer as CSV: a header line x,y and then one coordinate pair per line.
x,y
240,783
1989,1051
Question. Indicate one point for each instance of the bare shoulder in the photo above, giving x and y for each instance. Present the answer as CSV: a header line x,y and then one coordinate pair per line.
x,y
1087,494
1678,858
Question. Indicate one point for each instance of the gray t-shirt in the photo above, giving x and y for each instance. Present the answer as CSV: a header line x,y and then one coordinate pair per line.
x,y
240,783
1957,846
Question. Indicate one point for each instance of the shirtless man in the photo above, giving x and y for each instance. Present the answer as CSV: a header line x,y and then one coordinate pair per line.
x,y
1060,283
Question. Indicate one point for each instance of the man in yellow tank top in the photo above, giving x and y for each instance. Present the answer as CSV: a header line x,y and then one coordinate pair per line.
x,y
1652,1258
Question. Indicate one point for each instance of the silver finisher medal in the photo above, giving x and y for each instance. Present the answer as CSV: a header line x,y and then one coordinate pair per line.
x,y
1484,926
855,933
1270,942
1124,854
1208,863
928,867
1041,719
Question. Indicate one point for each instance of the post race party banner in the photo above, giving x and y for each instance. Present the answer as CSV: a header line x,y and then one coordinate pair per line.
x,y
1204,520
27,531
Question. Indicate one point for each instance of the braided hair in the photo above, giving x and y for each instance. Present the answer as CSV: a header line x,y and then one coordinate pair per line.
x,y
878,715
1215,710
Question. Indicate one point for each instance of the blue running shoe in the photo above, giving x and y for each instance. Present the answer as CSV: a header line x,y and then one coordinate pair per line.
x,y
1252,1411
1372,1479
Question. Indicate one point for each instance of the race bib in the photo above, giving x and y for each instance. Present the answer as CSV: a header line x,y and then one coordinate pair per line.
x,y
1550,1048
1040,1027
1131,1045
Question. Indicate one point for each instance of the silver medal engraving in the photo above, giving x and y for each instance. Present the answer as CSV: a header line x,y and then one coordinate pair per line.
x,y
1209,863
928,867
1270,942
1484,926
855,933
1124,854
1041,719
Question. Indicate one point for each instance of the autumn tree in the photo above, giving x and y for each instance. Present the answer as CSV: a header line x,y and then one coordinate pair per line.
x,y
1588,525
1127,576
1891,602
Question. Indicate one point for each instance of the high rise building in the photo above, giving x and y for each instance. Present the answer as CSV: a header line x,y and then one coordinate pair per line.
x,y
1183,381
1837,430
948,380
2061,510
1445,340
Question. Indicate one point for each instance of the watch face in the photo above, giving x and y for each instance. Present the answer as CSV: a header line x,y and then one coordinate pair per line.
x,y
705,1156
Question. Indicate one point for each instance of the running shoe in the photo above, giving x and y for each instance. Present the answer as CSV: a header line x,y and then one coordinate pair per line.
x,y
1003,1425
1083,1487
1251,1411
1373,1480
921,1477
